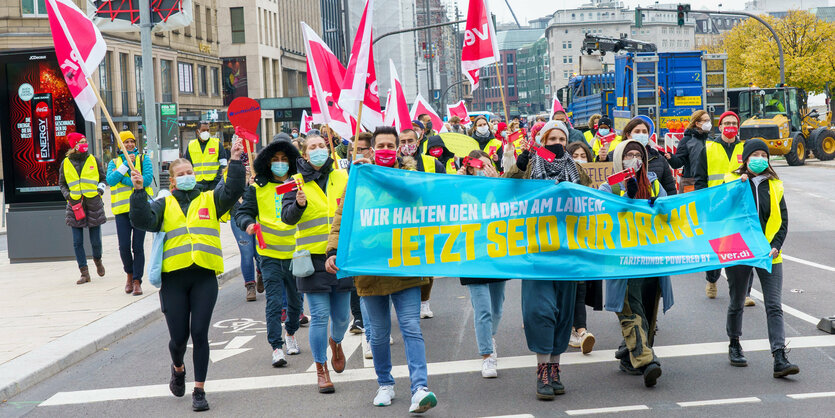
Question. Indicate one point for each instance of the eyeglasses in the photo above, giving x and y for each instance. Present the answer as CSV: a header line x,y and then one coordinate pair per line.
x,y
633,154
363,149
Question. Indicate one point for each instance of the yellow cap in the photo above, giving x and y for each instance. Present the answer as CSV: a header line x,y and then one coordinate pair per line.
x,y
125,135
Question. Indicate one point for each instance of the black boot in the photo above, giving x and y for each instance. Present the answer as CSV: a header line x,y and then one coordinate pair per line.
x,y
782,367
198,400
556,384
544,390
651,374
735,354
178,382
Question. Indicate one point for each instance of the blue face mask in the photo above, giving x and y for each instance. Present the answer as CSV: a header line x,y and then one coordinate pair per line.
x,y
480,173
186,182
318,157
757,164
603,131
642,138
279,168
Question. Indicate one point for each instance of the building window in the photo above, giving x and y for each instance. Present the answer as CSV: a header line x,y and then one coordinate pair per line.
x,y
123,74
186,77
198,22
509,58
137,73
209,25
215,81
511,91
203,79
511,69
664,44
33,7
565,74
511,81
236,15
105,83
165,74
569,44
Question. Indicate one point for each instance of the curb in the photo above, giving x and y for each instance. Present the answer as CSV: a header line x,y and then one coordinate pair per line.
x,y
25,371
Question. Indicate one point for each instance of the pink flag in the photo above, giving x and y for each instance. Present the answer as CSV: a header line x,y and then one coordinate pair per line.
x,y
480,46
460,110
324,80
420,107
306,123
556,106
397,111
360,83
79,47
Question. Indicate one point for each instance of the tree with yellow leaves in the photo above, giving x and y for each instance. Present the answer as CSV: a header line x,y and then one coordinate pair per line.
x,y
807,50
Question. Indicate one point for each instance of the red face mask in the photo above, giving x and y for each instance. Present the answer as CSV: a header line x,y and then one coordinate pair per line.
x,y
730,131
385,157
83,147
436,152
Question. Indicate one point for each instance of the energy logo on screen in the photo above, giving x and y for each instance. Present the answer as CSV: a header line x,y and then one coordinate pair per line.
x,y
43,122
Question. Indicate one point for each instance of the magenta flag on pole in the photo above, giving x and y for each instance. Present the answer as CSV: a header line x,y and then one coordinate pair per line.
x,y
420,107
480,45
360,82
306,123
459,109
397,111
324,80
79,47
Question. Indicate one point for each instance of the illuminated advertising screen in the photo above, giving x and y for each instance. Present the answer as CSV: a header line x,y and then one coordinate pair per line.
x,y
234,79
38,113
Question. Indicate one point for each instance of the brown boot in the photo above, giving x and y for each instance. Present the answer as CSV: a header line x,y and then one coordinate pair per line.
x,y
250,292
324,383
99,267
85,275
137,288
338,359
129,284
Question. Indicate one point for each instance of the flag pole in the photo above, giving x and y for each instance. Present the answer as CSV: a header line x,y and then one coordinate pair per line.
x,y
110,122
501,89
356,135
329,133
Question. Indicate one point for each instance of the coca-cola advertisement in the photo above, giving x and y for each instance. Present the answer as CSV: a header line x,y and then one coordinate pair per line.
x,y
41,112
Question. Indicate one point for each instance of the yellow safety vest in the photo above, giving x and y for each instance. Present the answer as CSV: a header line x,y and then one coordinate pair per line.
x,y
315,224
718,163
589,137
428,163
120,193
87,183
493,143
656,188
206,162
192,239
612,145
279,237
775,218
450,166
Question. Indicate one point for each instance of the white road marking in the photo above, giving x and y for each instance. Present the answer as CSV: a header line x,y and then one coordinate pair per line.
x,y
609,410
711,402
232,348
512,416
808,263
349,345
756,294
402,371
813,395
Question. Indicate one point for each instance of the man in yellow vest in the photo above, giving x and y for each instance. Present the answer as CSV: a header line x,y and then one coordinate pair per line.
x,y
409,144
121,187
207,156
191,260
261,209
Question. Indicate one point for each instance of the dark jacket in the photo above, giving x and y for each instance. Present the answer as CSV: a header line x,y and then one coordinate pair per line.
x,y
659,165
291,213
248,209
437,141
94,206
763,198
691,155
575,135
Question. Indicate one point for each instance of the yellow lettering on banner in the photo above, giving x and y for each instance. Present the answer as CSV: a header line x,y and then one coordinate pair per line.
x,y
604,231
533,246
514,236
395,259
628,234
409,246
571,231
679,224
662,228
549,235
587,232
495,231
429,233
694,217
643,222
469,231
447,256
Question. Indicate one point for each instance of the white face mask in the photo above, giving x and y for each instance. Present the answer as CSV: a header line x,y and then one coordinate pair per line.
x,y
706,126
634,164
204,135
483,130
580,160
642,138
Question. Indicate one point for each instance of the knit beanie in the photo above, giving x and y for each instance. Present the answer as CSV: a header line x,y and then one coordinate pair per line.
x,y
729,113
73,138
752,145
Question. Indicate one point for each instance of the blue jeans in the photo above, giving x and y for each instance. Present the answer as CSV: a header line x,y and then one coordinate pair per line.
x,y
333,305
277,280
246,245
407,306
133,239
487,300
78,244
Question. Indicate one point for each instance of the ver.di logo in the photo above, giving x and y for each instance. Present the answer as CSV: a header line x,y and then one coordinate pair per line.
x,y
731,248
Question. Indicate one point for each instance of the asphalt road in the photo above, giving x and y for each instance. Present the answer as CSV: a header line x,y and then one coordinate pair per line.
x,y
697,379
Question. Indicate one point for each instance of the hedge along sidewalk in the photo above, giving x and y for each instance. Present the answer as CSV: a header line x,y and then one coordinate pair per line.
x,y
49,323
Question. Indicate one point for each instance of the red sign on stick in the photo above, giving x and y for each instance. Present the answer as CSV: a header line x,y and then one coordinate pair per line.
x,y
621,176
245,113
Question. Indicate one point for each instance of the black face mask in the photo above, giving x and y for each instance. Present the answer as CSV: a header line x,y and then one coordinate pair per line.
x,y
557,149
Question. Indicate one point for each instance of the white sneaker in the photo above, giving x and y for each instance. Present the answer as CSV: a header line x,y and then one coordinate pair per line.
x,y
278,358
425,312
292,345
489,368
574,340
586,342
384,396
366,349
422,401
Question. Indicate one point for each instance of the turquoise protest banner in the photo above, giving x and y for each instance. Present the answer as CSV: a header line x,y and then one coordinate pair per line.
x,y
407,223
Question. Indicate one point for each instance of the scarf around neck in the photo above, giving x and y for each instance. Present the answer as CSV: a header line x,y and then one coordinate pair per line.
x,y
561,169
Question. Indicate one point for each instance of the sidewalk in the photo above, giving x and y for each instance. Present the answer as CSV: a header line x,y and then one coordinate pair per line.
x,y
105,197
48,322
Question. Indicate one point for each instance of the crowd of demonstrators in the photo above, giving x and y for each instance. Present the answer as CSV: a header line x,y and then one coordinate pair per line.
x,y
454,125
635,301
638,130
250,259
574,135
605,139
592,128
191,260
437,149
413,159
484,134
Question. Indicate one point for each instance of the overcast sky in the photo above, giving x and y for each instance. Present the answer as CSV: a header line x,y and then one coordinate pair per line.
x,y
531,9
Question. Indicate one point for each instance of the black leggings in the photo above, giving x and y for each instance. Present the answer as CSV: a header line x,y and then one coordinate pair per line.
x,y
580,306
187,298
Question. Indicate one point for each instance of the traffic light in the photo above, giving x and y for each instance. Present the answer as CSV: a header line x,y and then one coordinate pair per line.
x,y
639,18
682,10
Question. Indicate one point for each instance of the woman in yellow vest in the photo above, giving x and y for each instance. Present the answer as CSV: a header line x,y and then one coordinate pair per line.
x,y
311,209
635,301
261,205
191,260
121,188
774,219
81,179
604,133
483,133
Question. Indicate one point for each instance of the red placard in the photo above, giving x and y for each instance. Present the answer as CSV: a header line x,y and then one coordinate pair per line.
x,y
607,139
260,237
542,152
286,187
245,113
620,176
